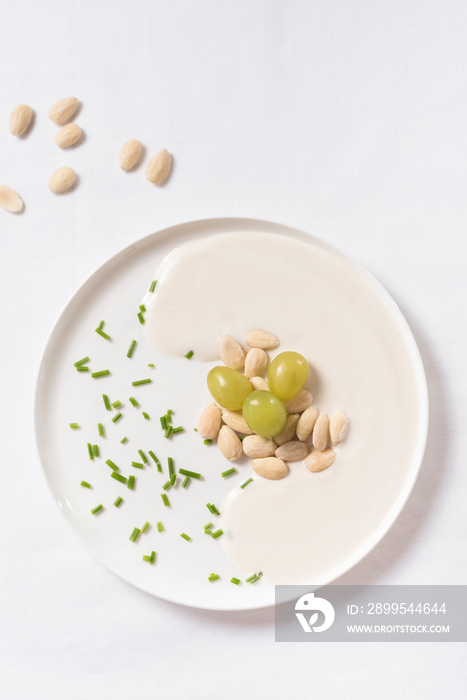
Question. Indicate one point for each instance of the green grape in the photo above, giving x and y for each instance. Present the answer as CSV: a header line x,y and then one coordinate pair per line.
x,y
264,413
287,374
228,387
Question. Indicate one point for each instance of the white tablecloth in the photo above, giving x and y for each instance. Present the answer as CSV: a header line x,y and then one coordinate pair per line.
x,y
346,119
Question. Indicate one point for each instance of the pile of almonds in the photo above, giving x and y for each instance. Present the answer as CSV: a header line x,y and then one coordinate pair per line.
x,y
307,432
62,179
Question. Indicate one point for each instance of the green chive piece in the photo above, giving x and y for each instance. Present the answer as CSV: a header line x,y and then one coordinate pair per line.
x,y
141,381
134,535
185,536
168,431
97,509
153,456
246,483
118,477
81,362
112,465
143,456
241,437
235,580
185,482
189,354
90,452
116,417
145,527
150,364
170,463
86,484
137,465
131,348
173,479
146,415
213,577
124,440
106,402
95,450
167,485
146,557
82,368
165,499
186,472
228,472
153,286
101,373
100,429
160,527
73,426
163,422
131,482
101,325
118,501
152,558
180,429
217,534
142,308
210,508
103,334
214,509
169,411
116,404
254,577
141,318
195,429
208,526
208,442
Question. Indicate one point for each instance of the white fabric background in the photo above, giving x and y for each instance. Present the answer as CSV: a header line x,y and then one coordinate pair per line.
x,y
347,119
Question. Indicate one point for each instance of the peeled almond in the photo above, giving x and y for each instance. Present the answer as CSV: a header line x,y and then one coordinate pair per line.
x,y
299,402
68,136
317,460
255,446
231,352
255,362
129,154
321,432
338,427
61,180
270,467
292,451
229,443
210,422
262,339
10,200
158,168
62,111
20,119
236,421
259,383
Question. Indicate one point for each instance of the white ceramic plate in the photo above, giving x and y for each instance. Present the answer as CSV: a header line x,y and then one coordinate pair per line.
x,y
113,293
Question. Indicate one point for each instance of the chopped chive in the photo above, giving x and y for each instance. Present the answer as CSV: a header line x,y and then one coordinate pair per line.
x,y
116,417
170,463
145,527
213,577
95,450
208,526
82,368
112,465
228,472
153,456
141,381
101,325
235,580
143,456
208,442
101,373
159,467
118,501
241,437
160,527
131,348
116,404
189,354
167,485
86,484
168,431
141,318
210,508
165,499
138,465
214,509
152,558
185,482
180,429
81,362
73,426
100,429
185,536
103,334
173,478
146,557
163,422
124,440
253,578
195,429
169,411
153,286
134,535
150,364
186,472
145,415
217,534
97,509
90,452
246,483
131,482
142,308
106,402
118,477
168,418
133,401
